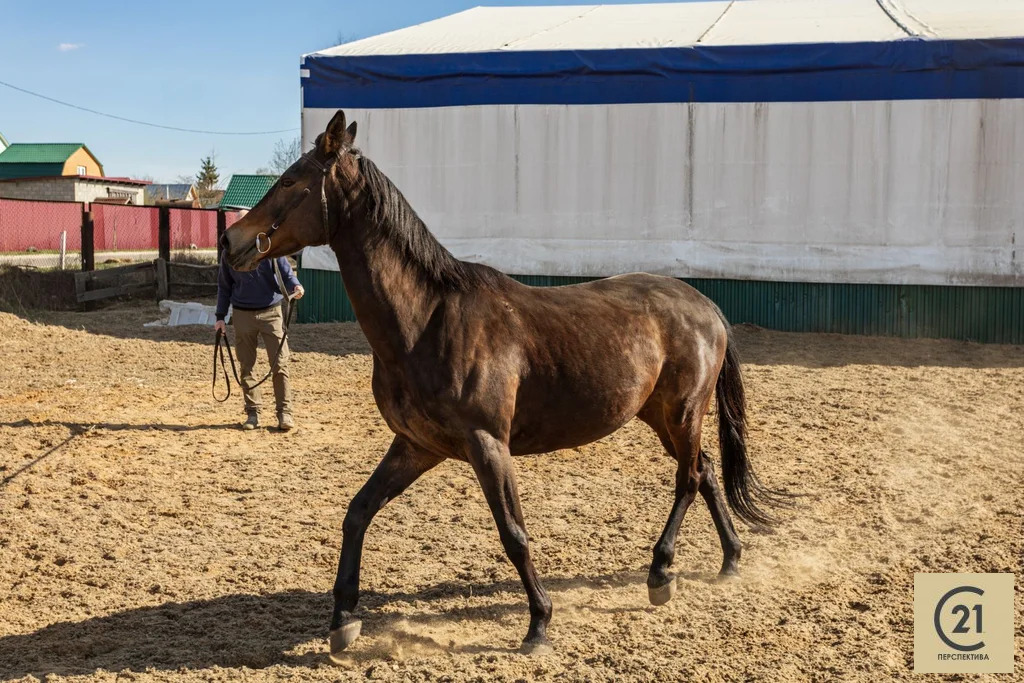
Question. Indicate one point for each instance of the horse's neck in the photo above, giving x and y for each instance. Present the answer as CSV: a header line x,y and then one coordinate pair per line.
x,y
391,302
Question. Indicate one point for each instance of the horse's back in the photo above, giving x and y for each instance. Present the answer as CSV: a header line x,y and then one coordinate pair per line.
x,y
674,306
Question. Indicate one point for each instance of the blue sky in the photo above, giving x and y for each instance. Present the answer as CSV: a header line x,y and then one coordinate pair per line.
x,y
223,66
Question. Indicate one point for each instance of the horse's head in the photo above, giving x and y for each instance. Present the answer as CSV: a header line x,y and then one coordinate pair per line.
x,y
300,209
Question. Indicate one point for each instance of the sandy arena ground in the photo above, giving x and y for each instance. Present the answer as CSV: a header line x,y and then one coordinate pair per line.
x,y
142,536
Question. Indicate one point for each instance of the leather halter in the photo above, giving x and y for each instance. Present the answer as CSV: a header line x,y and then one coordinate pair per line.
x,y
324,170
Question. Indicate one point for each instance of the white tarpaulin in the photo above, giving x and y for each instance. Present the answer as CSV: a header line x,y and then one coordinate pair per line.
x,y
190,313
794,140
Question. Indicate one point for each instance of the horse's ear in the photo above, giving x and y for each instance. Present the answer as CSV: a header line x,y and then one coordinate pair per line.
x,y
350,133
333,138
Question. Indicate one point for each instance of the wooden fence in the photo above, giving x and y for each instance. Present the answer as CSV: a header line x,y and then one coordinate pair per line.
x,y
159,278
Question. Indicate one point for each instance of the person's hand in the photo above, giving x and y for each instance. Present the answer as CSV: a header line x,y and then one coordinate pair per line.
x,y
298,292
219,326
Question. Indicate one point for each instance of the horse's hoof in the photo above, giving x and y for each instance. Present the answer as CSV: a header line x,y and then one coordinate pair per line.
x,y
728,574
343,636
537,648
662,594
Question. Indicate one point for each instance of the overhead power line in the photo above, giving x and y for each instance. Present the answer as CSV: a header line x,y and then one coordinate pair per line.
x,y
147,123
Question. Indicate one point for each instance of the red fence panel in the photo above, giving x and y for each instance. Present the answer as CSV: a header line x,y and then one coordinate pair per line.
x,y
31,226
125,228
192,228
38,225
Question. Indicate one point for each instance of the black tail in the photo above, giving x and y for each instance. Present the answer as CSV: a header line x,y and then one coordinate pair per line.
x,y
743,490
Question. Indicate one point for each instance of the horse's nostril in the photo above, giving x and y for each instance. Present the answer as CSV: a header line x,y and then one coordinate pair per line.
x,y
225,244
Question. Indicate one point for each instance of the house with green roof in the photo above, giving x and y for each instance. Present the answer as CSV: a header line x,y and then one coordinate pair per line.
x,y
245,191
48,160
62,172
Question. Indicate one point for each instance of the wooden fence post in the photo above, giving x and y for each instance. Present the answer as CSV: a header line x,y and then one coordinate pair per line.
x,y
164,232
88,246
163,281
222,225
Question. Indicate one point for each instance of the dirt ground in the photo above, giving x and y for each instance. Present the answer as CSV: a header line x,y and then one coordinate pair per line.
x,y
144,537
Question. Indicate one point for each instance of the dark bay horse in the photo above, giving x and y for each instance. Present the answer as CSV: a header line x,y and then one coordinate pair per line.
x,y
472,365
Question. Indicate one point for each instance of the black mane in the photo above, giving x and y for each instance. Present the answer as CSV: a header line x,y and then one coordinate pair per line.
x,y
402,228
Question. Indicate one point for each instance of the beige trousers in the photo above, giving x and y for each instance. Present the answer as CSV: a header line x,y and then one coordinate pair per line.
x,y
249,327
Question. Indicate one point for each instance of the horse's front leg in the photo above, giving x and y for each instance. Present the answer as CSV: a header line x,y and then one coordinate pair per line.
x,y
400,467
492,464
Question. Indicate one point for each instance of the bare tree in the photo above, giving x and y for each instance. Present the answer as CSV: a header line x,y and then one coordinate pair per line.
x,y
286,153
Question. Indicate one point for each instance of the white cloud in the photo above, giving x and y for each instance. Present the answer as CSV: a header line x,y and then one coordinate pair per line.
x,y
67,47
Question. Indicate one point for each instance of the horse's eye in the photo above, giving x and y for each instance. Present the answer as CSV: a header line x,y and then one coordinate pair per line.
x,y
287,182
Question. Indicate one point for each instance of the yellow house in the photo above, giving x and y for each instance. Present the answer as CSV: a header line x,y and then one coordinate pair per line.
x,y
49,159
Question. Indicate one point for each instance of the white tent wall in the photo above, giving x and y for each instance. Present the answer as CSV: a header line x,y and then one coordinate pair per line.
x,y
910,191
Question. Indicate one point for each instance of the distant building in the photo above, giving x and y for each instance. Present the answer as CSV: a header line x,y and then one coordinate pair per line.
x,y
175,194
76,189
48,159
245,191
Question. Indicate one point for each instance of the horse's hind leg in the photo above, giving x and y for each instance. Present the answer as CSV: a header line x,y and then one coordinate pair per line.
x,y
712,494
683,433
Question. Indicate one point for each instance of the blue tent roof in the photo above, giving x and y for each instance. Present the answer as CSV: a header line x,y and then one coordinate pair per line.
x,y
756,51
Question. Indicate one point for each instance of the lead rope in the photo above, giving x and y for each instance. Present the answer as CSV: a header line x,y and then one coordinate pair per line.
x,y
221,343
323,207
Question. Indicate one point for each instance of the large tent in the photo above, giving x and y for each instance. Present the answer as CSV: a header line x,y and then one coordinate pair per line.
x,y
872,143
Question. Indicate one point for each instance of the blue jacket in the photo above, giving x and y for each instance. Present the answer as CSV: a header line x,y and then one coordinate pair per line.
x,y
253,290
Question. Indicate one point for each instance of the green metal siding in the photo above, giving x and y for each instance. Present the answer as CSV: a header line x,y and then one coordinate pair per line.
x,y
981,314
325,300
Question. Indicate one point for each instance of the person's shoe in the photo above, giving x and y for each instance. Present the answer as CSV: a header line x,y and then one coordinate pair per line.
x,y
285,422
251,422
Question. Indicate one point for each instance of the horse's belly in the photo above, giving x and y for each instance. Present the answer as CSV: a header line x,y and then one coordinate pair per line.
x,y
566,419
581,391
